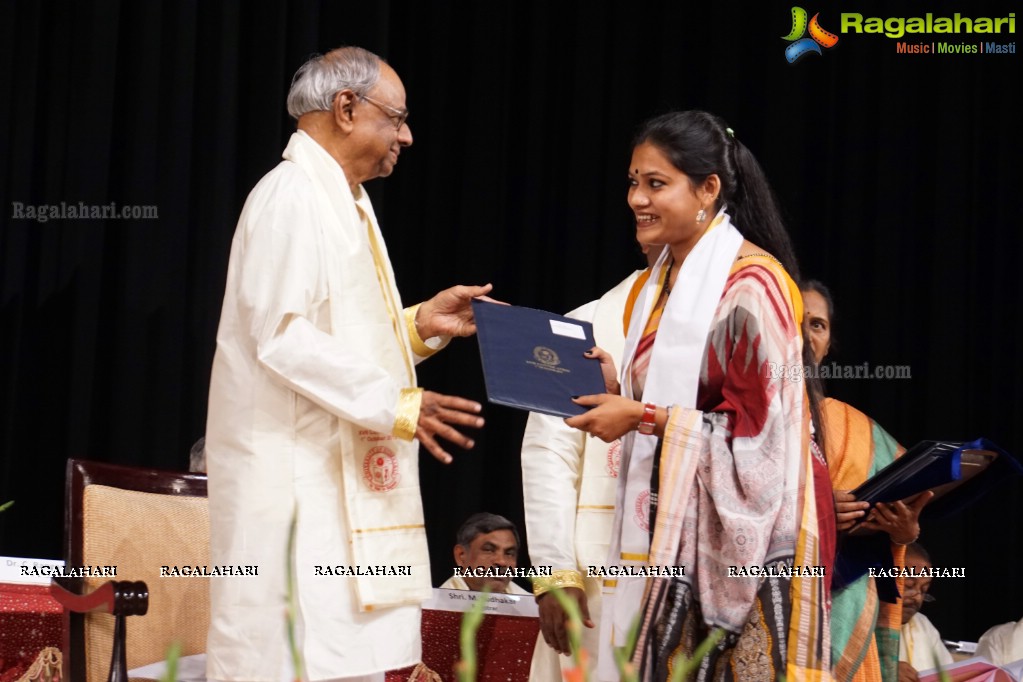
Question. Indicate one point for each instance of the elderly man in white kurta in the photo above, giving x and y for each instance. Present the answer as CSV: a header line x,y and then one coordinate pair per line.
x,y
568,488
314,410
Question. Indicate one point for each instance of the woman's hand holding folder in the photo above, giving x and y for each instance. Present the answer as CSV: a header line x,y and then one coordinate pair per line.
x,y
900,519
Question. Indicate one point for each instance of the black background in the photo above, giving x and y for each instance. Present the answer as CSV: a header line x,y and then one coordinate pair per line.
x,y
898,175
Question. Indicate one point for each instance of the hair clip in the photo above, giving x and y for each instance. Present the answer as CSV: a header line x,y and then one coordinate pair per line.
x,y
731,133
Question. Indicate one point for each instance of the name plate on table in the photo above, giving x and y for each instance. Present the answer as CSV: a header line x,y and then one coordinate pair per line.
x,y
533,360
497,604
38,570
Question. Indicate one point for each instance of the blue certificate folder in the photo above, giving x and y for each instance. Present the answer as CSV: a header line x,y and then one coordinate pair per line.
x,y
926,465
958,473
954,471
533,360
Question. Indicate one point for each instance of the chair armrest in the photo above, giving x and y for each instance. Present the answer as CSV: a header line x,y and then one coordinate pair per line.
x,y
118,597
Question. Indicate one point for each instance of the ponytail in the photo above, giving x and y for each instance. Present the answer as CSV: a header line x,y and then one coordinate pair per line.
x,y
756,211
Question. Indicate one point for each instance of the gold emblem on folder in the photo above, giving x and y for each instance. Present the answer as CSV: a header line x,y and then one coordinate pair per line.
x,y
547,360
546,356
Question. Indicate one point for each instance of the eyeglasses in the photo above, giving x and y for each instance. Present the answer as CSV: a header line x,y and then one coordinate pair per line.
x,y
398,116
925,597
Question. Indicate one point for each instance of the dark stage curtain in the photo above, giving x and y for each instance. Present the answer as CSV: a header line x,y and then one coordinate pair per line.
x,y
898,173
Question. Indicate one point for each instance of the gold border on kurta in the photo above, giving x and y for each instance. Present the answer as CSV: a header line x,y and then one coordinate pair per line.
x,y
560,579
409,401
385,290
419,346
630,556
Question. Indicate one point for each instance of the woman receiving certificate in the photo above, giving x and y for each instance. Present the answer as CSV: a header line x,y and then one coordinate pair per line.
x,y
717,473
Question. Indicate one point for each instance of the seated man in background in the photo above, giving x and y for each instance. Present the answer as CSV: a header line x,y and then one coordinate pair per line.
x,y
486,541
1002,644
920,645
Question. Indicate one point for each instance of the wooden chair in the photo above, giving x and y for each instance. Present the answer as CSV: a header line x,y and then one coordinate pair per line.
x,y
137,520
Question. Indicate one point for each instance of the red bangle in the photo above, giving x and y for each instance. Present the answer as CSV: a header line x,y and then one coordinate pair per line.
x,y
649,421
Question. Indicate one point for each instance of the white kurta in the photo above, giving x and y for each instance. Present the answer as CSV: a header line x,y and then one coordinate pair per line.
x,y
920,644
310,380
568,487
1002,644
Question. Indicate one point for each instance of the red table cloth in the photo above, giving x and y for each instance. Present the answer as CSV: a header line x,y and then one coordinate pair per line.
x,y
30,620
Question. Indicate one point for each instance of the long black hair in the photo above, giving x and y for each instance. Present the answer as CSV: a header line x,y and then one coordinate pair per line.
x,y
814,393
700,144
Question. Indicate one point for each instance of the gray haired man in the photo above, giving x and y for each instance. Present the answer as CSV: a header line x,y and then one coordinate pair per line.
x,y
314,413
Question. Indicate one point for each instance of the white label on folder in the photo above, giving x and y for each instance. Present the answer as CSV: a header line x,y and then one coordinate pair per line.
x,y
574,331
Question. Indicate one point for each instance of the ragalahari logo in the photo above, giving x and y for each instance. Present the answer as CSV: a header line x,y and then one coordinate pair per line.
x,y
803,46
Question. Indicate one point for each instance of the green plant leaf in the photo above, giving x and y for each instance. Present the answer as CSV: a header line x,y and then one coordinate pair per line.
x,y
291,608
466,668
683,666
170,673
575,623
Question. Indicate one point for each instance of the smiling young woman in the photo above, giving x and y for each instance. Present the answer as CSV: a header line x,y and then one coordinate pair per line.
x,y
717,470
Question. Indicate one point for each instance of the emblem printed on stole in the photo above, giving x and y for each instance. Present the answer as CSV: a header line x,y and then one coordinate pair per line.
x,y
642,512
380,469
614,458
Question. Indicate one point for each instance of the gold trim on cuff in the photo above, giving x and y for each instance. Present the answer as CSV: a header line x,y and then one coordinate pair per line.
x,y
419,346
561,579
405,423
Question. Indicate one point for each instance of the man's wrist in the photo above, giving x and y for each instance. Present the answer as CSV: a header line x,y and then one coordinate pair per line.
x,y
417,334
417,323
903,542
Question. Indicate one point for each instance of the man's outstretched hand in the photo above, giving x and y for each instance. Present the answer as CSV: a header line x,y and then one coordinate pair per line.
x,y
449,313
